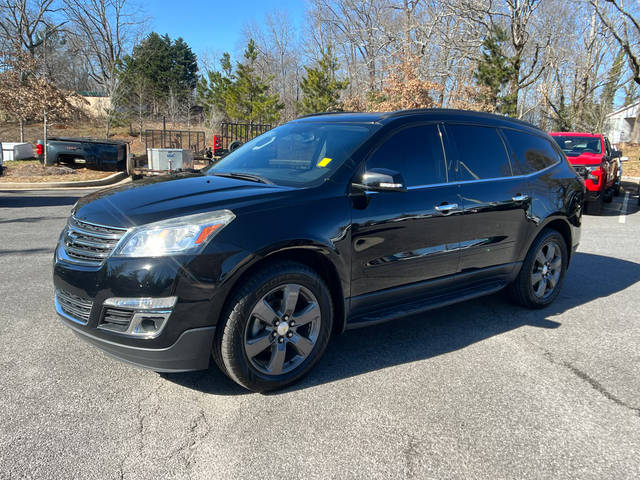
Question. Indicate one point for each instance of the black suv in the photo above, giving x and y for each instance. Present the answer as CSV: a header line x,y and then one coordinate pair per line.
x,y
326,223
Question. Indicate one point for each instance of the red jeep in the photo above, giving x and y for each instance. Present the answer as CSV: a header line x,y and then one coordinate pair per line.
x,y
592,156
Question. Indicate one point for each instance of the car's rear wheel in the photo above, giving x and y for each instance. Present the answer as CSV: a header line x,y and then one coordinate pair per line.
x,y
542,273
275,328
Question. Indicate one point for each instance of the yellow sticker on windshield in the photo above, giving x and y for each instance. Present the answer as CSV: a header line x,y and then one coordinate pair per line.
x,y
324,162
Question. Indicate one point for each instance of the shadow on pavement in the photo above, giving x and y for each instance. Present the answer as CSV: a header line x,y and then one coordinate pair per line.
x,y
31,219
38,201
614,208
440,331
27,251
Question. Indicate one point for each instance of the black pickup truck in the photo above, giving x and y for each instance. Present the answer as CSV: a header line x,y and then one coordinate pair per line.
x,y
96,154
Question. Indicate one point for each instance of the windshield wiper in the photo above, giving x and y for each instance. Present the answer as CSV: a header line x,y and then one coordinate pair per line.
x,y
243,176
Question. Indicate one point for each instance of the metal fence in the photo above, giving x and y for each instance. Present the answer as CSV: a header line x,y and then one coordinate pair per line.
x,y
243,132
184,139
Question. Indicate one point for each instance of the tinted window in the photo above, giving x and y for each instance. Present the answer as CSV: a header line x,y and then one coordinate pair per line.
x,y
531,152
481,152
415,152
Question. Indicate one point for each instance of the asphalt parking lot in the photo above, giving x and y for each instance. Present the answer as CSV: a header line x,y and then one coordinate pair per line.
x,y
480,390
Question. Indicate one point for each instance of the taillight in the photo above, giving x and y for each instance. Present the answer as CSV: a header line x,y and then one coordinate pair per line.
x,y
39,149
217,142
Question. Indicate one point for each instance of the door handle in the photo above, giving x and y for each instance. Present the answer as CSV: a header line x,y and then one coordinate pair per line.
x,y
520,198
447,207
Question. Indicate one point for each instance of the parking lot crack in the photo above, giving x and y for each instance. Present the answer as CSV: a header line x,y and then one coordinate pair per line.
x,y
410,456
199,428
592,382
597,386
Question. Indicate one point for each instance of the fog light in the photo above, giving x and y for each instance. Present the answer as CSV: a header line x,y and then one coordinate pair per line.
x,y
147,316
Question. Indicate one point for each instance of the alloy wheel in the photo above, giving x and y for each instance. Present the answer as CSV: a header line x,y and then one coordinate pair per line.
x,y
283,329
547,268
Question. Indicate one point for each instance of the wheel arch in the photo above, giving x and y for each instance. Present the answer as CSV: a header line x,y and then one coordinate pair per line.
x,y
562,227
313,258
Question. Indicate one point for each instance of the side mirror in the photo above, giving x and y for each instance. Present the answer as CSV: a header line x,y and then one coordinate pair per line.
x,y
616,154
382,180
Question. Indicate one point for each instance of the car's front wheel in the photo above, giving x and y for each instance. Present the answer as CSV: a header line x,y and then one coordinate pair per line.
x,y
275,328
542,273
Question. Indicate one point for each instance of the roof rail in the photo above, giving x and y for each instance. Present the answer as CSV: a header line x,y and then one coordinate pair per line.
x,y
321,113
416,111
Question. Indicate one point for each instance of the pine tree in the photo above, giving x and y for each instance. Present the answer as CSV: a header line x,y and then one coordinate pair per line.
x,y
166,66
494,72
320,89
213,89
248,97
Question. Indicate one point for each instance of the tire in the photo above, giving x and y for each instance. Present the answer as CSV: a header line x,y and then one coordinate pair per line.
x,y
608,196
617,188
235,145
525,290
249,323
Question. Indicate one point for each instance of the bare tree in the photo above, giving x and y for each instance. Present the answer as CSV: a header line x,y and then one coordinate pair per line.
x,y
108,29
25,25
624,24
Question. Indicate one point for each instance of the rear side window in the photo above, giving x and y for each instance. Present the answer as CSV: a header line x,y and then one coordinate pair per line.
x,y
531,152
481,152
415,152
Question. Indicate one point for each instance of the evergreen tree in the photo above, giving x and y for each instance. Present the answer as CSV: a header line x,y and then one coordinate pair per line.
x,y
494,72
320,89
167,67
213,89
248,97
241,95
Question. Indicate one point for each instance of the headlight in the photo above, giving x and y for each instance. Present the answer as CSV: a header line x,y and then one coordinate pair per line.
x,y
176,235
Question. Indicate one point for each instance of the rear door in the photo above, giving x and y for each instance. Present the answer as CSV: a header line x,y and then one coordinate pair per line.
x,y
496,203
400,238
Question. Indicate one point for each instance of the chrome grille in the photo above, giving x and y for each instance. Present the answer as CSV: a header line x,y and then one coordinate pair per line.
x,y
76,307
89,243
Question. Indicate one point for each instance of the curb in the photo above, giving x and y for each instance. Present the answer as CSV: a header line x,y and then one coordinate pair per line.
x,y
110,180
630,179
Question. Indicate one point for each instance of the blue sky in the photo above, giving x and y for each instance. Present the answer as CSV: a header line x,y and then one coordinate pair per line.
x,y
215,26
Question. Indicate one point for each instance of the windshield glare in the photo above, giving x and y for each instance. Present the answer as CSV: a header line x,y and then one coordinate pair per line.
x,y
296,154
574,146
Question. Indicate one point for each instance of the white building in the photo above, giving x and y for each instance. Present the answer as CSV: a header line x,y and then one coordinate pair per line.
x,y
620,123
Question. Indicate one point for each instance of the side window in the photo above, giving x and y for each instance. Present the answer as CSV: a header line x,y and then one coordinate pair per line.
x,y
531,152
415,152
481,152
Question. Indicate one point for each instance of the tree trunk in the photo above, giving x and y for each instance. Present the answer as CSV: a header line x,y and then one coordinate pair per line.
x,y
108,125
22,130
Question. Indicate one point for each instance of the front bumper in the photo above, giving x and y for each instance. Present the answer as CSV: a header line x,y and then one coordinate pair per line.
x,y
185,342
191,351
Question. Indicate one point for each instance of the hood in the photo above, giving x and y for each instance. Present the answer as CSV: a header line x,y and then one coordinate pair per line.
x,y
158,198
585,159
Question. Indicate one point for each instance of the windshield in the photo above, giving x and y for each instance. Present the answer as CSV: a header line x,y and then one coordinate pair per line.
x,y
573,146
296,154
